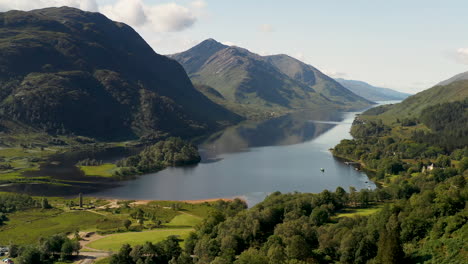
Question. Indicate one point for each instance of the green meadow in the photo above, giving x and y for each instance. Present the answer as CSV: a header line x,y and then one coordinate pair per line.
x,y
115,242
104,170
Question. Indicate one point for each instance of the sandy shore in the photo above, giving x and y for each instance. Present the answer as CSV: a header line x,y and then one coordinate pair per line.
x,y
139,202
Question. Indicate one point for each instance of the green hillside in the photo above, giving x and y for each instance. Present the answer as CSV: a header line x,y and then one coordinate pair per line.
x,y
371,92
252,83
413,105
65,71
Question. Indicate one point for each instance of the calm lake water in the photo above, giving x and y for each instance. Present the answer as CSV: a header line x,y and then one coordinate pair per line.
x,y
254,159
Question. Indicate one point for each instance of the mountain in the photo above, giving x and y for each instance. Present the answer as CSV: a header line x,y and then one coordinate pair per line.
x,y
413,106
74,72
458,77
371,92
249,81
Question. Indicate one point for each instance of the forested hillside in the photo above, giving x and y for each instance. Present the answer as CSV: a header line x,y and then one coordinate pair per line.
x,y
412,107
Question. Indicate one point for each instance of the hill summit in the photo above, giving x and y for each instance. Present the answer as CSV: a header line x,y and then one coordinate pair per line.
x,y
267,82
63,69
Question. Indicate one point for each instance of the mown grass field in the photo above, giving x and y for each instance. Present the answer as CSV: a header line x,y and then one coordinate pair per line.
x,y
104,170
26,227
115,242
184,220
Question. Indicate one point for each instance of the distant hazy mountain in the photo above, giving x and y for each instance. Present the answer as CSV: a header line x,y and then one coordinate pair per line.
x,y
371,92
458,77
246,80
63,70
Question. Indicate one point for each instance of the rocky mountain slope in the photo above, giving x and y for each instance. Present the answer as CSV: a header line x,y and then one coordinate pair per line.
x,y
275,83
66,71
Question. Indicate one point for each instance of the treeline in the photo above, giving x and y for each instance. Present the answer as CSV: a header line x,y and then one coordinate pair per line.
x,y
89,162
12,202
423,220
366,128
46,251
301,228
170,152
448,123
166,251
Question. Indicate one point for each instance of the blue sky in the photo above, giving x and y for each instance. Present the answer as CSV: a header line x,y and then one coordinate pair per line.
x,y
406,45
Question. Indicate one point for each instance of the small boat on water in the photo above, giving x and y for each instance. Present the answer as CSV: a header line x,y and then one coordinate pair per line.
x,y
322,169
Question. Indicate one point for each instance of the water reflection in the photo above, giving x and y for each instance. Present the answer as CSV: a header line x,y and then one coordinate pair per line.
x,y
254,159
285,130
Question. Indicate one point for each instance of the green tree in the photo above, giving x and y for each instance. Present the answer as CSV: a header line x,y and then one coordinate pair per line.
x,y
390,250
251,256
45,204
319,216
29,255
127,223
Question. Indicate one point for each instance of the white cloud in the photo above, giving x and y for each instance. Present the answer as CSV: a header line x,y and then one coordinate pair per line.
x,y
88,5
170,17
461,55
228,43
198,4
160,17
127,11
335,74
266,28
300,56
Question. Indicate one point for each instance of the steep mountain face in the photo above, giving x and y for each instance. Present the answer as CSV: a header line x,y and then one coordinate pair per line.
x,y
244,79
458,77
371,92
62,69
307,74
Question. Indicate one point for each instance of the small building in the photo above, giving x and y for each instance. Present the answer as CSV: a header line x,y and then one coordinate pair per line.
x,y
430,167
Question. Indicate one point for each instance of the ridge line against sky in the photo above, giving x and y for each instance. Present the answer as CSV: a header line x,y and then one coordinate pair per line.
x,y
404,45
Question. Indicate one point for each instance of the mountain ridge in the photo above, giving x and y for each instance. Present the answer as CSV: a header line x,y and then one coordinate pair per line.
x,y
245,79
371,92
413,106
79,72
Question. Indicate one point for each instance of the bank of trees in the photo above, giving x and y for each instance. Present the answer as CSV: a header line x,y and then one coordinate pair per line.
x,y
46,251
11,202
170,152
423,219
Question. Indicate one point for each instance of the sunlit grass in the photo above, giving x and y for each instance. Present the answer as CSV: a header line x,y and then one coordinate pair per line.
x,y
104,170
115,242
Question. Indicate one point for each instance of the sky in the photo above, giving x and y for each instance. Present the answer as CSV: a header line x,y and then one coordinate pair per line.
x,y
407,45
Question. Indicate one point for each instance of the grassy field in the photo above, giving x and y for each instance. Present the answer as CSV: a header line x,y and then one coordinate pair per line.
x,y
27,227
103,261
114,242
104,170
184,220
200,210
352,212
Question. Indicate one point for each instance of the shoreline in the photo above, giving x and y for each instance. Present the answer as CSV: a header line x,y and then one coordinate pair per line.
x,y
194,201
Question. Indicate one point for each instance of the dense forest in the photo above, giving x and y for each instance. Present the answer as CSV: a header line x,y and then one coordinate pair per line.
x,y
448,124
166,153
422,220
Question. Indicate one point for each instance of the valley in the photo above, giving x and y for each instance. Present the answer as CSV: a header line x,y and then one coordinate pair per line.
x,y
113,153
